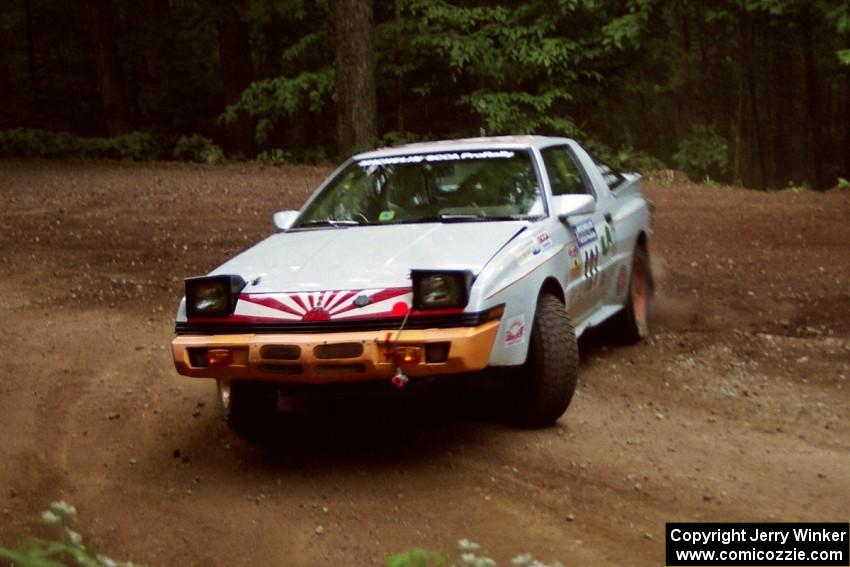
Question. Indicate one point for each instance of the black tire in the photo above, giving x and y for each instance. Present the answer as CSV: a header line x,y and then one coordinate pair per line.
x,y
631,325
541,389
247,407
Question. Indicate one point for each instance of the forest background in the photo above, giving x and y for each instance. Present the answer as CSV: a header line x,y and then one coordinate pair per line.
x,y
752,92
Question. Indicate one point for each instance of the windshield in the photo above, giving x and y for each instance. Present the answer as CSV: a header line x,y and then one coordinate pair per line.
x,y
436,187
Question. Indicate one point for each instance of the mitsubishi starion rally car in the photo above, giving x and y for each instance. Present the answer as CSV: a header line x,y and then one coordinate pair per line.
x,y
486,255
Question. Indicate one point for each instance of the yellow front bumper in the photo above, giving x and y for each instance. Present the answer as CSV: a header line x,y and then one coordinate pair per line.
x,y
331,357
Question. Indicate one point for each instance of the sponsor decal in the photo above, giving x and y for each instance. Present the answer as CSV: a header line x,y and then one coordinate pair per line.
x,y
310,306
576,268
524,251
316,314
591,262
607,240
585,232
515,331
573,251
385,216
544,241
437,157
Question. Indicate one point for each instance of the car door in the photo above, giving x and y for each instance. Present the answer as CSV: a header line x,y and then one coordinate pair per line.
x,y
590,239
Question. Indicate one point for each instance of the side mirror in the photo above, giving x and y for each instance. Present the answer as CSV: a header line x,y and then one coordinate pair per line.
x,y
284,219
569,205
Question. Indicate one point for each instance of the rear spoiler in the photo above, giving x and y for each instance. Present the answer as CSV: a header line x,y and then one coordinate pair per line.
x,y
630,186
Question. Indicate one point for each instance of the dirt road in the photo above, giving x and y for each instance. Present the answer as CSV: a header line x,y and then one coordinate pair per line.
x,y
737,409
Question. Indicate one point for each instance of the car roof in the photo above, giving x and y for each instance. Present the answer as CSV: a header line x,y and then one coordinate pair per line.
x,y
465,144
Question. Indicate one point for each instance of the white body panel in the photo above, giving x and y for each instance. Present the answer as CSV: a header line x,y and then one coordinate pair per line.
x,y
587,257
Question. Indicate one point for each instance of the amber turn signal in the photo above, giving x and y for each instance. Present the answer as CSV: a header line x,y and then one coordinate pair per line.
x,y
220,357
407,355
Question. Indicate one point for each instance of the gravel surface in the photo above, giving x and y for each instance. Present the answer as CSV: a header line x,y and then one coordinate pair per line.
x,y
736,409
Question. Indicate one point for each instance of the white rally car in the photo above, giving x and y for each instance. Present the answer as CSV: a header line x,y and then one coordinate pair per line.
x,y
439,258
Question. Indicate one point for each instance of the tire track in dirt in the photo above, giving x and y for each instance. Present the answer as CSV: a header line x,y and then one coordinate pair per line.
x,y
736,409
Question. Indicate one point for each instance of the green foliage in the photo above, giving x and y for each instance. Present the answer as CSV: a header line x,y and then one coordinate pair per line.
x,y
28,142
275,156
469,554
628,158
416,558
843,183
519,60
273,100
197,148
521,112
625,158
630,74
704,153
135,146
66,549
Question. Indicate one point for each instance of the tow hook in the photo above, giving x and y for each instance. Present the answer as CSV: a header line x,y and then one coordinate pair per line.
x,y
399,380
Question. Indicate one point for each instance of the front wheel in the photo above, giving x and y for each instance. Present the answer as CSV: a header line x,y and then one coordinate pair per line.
x,y
542,388
247,406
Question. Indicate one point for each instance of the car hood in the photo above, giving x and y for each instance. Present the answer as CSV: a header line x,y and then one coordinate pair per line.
x,y
367,256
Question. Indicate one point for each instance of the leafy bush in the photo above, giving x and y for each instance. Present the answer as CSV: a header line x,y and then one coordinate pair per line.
x,y
626,158
135,146
66,549
197,148
704,153
28,142
275,156
630,159
469,554
271,101
520,112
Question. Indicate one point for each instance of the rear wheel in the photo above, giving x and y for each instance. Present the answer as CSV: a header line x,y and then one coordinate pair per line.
x,y
247,406
632,323
542,388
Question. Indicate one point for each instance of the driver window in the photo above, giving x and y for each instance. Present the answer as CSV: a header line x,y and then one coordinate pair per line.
x,y
564,176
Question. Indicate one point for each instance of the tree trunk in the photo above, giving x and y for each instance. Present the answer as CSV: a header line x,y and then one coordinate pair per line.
x,y
5,75
102,33
846,168
813,103
739,127
399,86
30,41
234,51
782,107
355,75
749,45
158,37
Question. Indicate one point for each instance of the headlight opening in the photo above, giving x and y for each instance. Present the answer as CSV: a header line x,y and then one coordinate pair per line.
x,y
434,289
212,296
